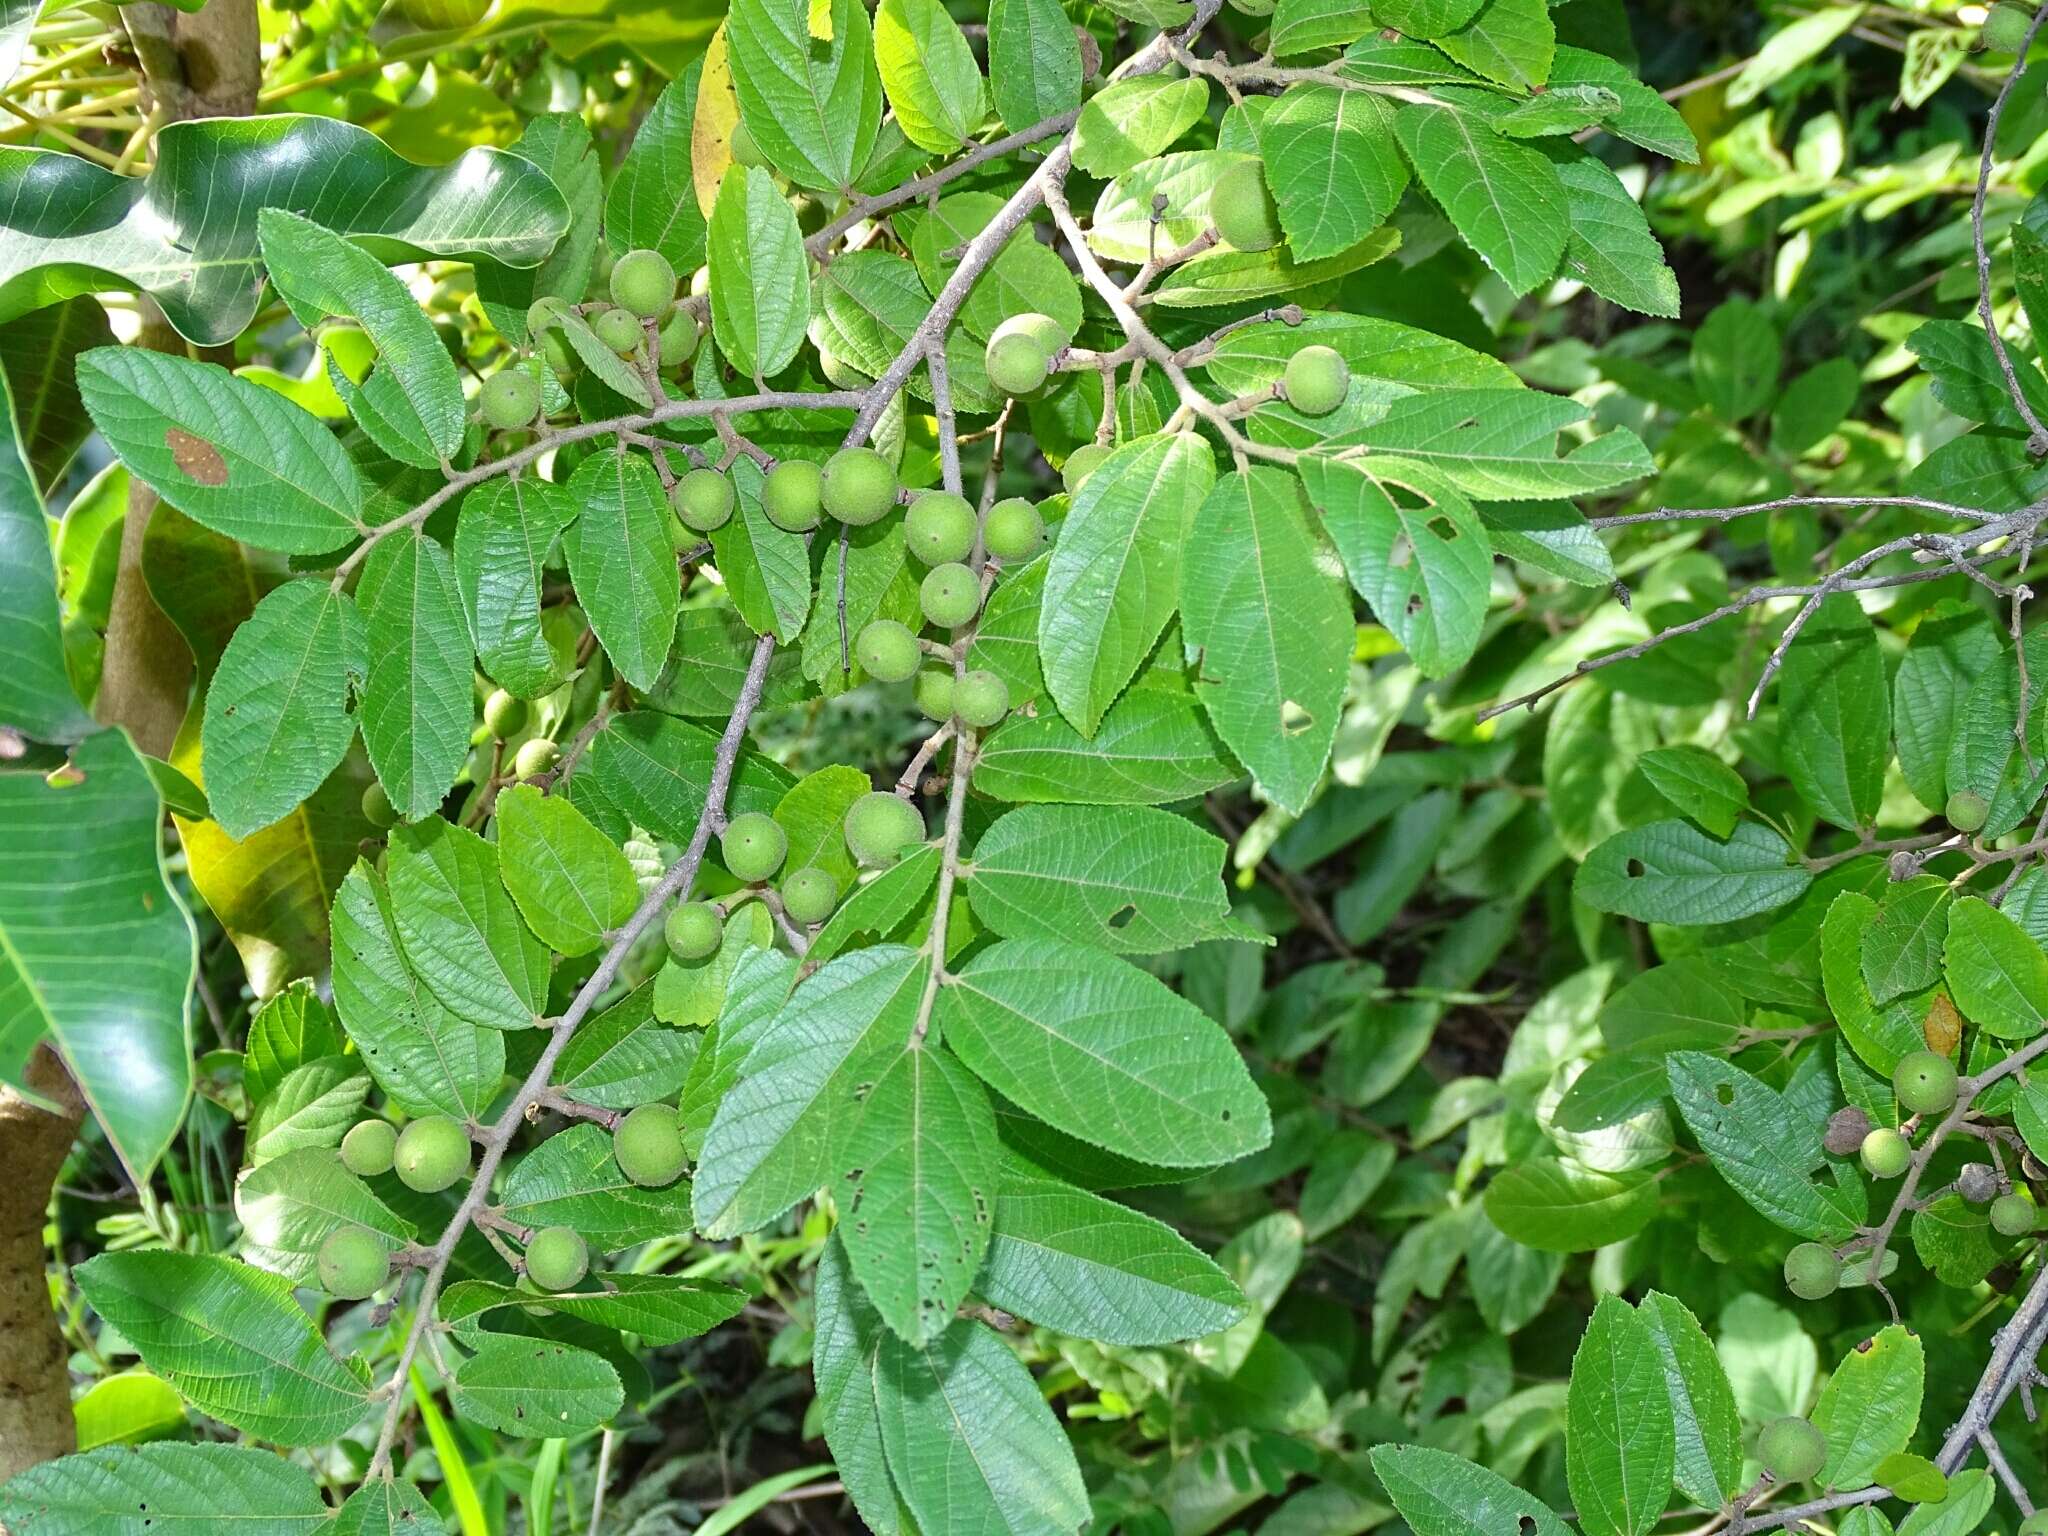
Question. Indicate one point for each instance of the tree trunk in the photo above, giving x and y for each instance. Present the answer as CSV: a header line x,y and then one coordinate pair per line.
x,y
35,1387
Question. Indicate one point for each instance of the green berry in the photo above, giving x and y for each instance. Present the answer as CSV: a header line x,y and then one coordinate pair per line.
x,y
693,931
644,284
753,846
431,1154
1812,1271
1242,209
542,314
981,699
703,500
353,1263
561,357
2035,1524
1791,1449
1017,364
1925,1082
1967,810
618,329
535,758
743,148
510,398
949,595
2012,1215
1013,529
809,895
879,827
859,486
678,338
2005,28
378,810
939,527
648,1145
366,1150
557,1258
887,651
933,691
1885,1153
1082,463
790,495
1316,380
505,714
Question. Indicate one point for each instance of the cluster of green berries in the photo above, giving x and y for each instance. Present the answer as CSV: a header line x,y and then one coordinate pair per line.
x,y
430,1154
643,297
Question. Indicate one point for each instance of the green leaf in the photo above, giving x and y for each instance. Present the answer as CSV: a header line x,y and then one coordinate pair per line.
x,y
930,74
289,1030
36,697
1610,248
813,107
1996,973
1765,1150
1835,713
1671,872
1985,753
1951,647
503,534
1034,61
425,1058
1115,571
292,1204
1901,949
413,389
1646,118
624,1057
572,883
1133,120
1227,276
1501,444
660,1309
1879,1035
1333,166
760,277
535,1388
917,1188
767,570
1735,360
1303,26
231,455
1105,1052
1912,1478
231,1339
1153,747
881,905
1560,1207
776,1134
1618,1424
1971,1493
846,1348
1414,550
1023,277
86,884
658,771
197,1488
652,201
1130,880
624,563
418,694
459,928
313,1106
1273,631
186,233
1707,1425
1699,784
970,1441
1503,197
127,1408
380,1508
572,1180
1870,1407
1510,42
605,366
1077,1263
1439,1494
1788,48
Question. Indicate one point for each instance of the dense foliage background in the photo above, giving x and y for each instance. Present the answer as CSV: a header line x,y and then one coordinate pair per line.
x,y
1471,861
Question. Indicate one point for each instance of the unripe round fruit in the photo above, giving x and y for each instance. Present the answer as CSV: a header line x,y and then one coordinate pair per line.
x,y
949,595
541,314
981,699
643,284
1013,529
352,1263
1242,209
2035,1524
1316,380
1081,463
648,1145
933,692
678,339
743,148
367,1149
378,810
939,527
535,758
1016,363
1791,1449
1886,1153
790,495
809,895
509,398
859,486
505,714
887,651
693,931
2005,28
561,357
1967,810
1925,1082
2012,1215
703,500
1976,1182
557,1258
432,1153
618,329
1812,1271
879,827
753,846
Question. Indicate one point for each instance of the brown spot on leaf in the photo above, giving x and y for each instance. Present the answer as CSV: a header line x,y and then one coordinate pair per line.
x,y
1943,1026
198,458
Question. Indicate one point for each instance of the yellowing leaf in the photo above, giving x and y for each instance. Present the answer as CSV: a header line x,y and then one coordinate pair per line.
x,y
718,113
